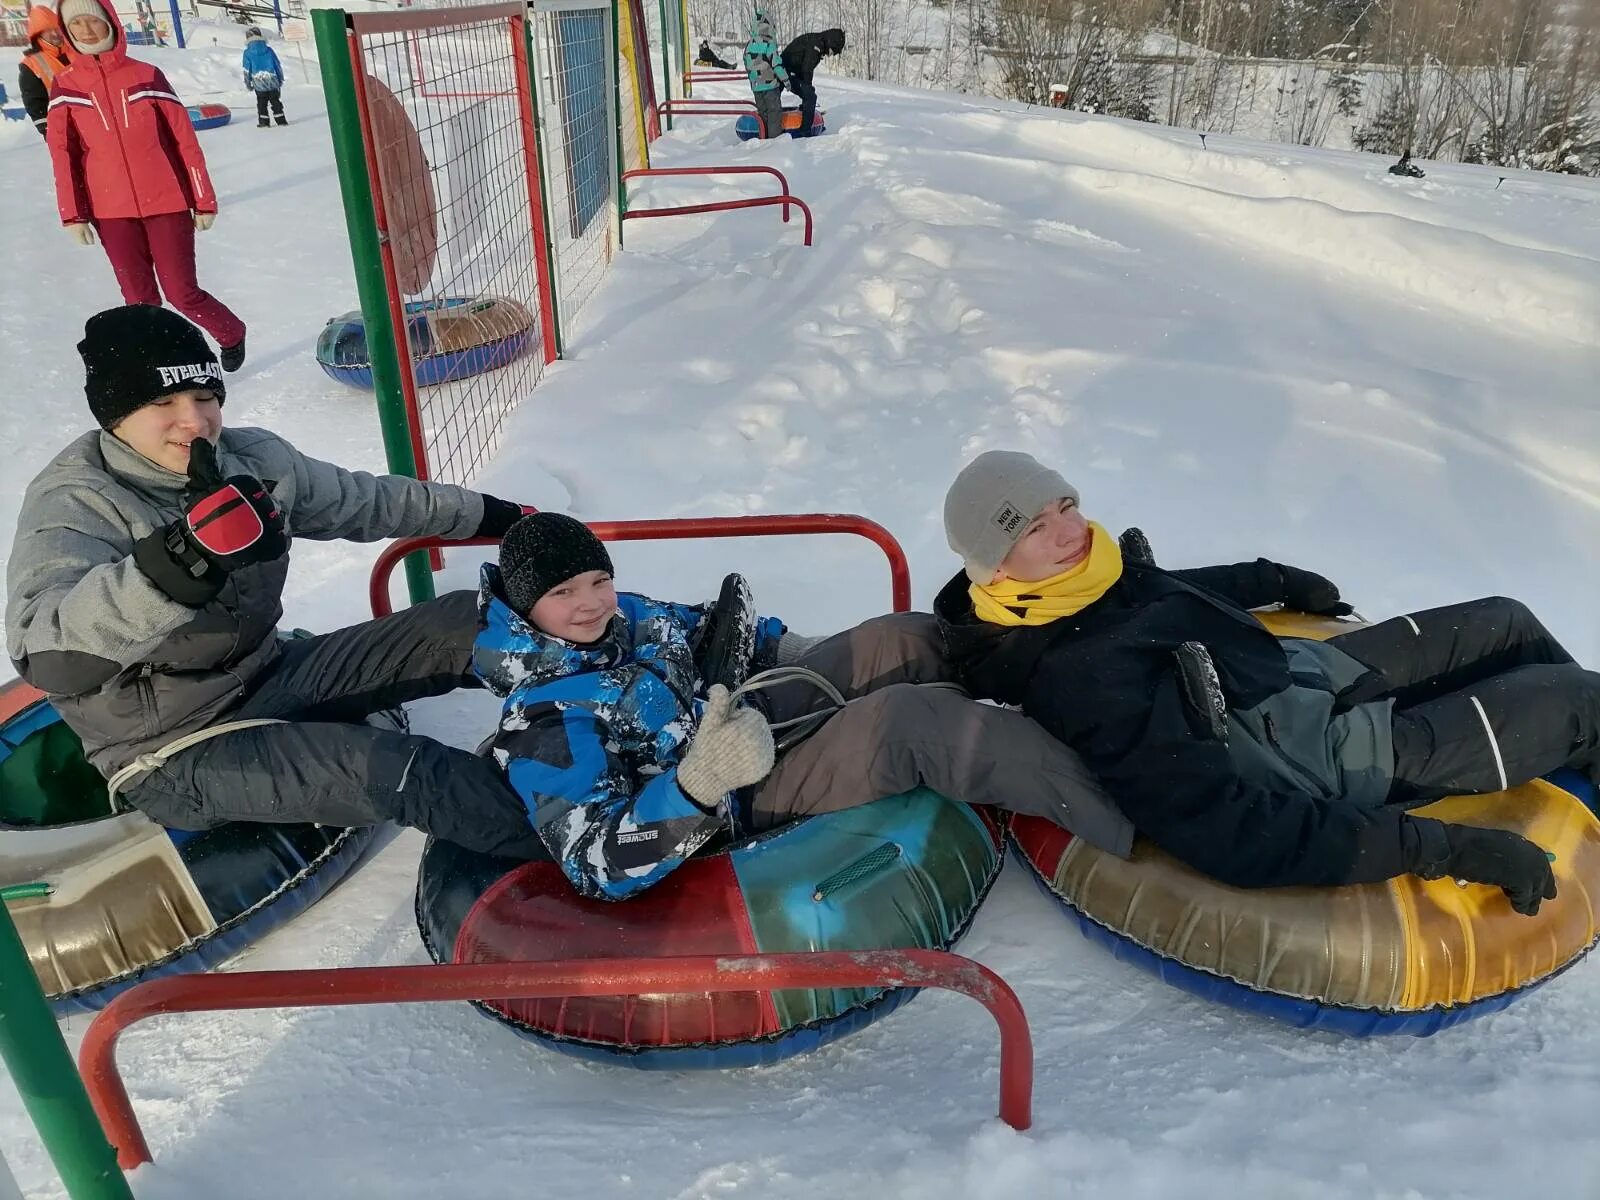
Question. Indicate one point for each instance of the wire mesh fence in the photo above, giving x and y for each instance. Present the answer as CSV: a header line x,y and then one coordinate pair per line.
x,y
450,141
573,56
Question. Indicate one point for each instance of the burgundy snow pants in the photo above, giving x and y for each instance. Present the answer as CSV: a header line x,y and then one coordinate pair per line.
x,y
142,250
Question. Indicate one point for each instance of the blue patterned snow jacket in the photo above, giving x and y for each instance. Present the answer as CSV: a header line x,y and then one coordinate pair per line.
x,y
259,61
590,736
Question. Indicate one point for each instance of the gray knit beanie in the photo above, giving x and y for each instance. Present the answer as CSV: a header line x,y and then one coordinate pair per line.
x,y
989,506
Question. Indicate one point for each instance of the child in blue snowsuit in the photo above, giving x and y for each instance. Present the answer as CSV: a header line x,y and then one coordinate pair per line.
x,y
263,75
629,762
764,65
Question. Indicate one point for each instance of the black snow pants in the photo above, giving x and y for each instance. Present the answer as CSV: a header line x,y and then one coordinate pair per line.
x,y
1485,698
326,766
808,103
274,98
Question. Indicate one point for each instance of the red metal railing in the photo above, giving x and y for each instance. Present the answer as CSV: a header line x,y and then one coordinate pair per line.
x,y
687,210
540,980
671,529
691,107
648,172
714,76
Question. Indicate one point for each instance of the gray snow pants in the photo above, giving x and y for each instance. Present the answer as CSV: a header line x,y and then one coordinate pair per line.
x,y
326,766
769,105
893,735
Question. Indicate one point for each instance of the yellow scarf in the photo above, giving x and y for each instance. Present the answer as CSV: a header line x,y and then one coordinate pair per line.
x,y
1011,602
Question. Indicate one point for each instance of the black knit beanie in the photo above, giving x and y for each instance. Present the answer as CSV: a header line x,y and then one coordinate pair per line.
x,y
544,549
138,353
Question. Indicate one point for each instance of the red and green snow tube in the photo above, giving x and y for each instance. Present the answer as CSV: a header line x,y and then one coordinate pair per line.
x,y
906,872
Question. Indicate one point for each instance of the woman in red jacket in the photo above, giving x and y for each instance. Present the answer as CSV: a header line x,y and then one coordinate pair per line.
x,y
127,164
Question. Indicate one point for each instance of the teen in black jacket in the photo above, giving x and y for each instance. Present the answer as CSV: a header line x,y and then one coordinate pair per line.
x,y
801,58
1263,762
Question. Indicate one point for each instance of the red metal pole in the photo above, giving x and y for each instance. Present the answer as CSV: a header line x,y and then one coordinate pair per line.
x,y
538,980
688,210
530,152
674,528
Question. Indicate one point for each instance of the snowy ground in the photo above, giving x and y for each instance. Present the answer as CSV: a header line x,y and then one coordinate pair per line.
x,y
1245,349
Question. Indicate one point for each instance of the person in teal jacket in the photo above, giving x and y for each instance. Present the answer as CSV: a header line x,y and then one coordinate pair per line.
x,y
763,63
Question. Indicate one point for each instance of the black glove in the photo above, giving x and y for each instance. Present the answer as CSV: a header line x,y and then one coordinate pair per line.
x,y
1308,592
226,524
498,517
1497,857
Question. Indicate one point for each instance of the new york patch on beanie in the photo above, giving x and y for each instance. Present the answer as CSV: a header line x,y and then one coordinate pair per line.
x,y
138,353
989,505
87,8
544,549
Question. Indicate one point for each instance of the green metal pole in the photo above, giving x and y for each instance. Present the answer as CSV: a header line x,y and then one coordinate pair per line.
x,y
356,186
36,1057
544,190
616,90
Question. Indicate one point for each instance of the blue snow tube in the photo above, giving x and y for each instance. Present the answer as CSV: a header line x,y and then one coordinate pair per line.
x,y
105,900
209,116
450,338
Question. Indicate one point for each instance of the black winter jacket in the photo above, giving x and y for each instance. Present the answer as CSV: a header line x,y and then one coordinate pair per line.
x,y
1105,681
801,56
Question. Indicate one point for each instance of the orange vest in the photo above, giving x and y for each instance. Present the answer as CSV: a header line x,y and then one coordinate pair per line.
x,y
46,62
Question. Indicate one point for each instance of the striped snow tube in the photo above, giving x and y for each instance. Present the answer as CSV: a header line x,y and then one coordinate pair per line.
x,y
1404,956
905,872
105,900
450,338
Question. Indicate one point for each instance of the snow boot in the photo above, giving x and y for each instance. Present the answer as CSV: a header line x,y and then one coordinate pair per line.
x,y
280,119
727,639
261,123
233,356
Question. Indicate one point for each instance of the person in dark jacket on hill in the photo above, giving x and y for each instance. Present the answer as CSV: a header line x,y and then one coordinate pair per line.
x,y
1260,761
801,58
144,590
707,57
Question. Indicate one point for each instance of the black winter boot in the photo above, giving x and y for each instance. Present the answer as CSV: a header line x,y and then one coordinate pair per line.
x,y
233,356
261,122
280,119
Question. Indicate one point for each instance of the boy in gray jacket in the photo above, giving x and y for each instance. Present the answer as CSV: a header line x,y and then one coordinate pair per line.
x,y
143,594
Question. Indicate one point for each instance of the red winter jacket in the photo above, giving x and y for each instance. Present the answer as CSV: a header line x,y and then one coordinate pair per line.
x,y
120,140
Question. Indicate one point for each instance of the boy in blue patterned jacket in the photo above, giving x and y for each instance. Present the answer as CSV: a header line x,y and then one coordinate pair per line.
x,y
263,75
628,762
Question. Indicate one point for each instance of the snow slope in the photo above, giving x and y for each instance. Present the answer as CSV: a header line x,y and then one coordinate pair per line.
x,y
1245,349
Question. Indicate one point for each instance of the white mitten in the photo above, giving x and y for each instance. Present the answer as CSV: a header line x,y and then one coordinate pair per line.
x,y
203,221
81,232
731,749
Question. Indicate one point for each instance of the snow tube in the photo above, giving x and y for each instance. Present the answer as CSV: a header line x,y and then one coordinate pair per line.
x,y
209,116
905,872
1404,956
749,125
105,900
450,338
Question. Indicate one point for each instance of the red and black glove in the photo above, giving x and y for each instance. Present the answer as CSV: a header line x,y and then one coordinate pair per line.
x,y
226,524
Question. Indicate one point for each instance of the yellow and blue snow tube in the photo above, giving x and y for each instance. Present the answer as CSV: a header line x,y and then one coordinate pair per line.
x,y
104,899
1404,956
